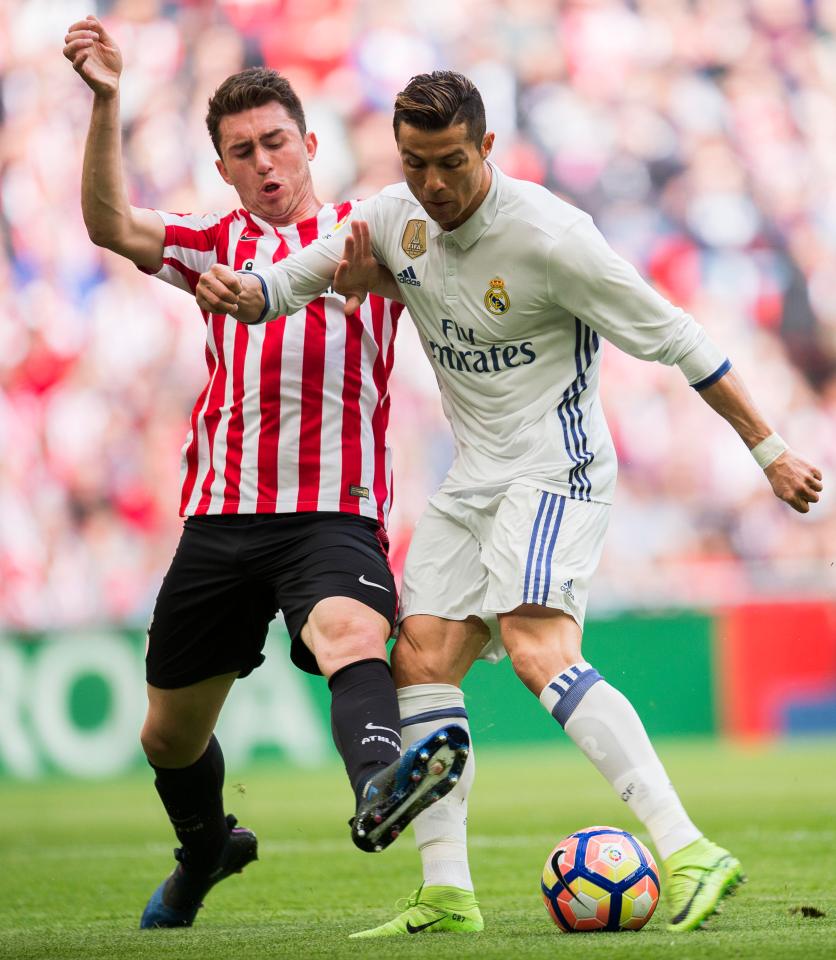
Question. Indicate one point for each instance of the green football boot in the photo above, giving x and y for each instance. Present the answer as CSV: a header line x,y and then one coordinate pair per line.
x,y
699,876
431,910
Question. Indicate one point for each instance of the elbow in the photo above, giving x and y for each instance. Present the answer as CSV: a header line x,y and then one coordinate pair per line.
x,y
101,237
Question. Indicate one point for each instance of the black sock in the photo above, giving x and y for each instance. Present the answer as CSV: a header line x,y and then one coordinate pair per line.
x,y
365,719
192,797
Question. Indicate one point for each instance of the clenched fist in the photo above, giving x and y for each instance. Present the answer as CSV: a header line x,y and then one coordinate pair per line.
x,y
223,291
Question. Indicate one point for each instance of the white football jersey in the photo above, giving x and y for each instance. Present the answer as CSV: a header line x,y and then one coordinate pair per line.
x,y
510,307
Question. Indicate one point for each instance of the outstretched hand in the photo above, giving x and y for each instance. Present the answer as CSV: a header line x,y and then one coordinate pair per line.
x,y
794,481
94,55
358,272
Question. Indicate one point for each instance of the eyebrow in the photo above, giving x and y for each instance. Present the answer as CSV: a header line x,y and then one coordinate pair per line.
x,y
264,136
458,152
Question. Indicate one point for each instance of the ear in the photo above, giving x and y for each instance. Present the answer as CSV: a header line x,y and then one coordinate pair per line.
x,y
487,145
311,143
219,164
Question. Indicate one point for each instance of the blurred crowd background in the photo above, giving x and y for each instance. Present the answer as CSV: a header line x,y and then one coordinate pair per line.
x,y
701,135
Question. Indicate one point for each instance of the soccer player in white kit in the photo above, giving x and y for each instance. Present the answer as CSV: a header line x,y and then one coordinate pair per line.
x,y
511,289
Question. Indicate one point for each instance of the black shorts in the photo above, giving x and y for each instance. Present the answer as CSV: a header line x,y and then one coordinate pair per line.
x,y
232,574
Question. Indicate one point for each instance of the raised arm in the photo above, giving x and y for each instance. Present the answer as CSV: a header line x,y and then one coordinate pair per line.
x,y
793,480
111,221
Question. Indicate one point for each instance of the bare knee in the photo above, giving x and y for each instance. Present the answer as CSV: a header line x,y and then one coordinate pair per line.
x,y
414,662
167,746
434,650
540,643
341,631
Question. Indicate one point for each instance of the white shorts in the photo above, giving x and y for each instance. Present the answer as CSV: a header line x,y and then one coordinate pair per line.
x,y
482,553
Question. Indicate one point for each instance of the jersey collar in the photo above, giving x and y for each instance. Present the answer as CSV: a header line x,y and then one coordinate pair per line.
x,y
472,229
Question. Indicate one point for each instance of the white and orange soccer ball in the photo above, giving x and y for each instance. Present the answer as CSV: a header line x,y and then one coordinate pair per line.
x,y
600,878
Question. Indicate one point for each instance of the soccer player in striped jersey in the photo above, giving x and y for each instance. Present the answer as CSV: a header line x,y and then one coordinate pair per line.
x,y
511,289
286,485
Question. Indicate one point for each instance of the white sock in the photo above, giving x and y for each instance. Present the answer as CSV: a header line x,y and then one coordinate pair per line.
x,y
603,723
441,830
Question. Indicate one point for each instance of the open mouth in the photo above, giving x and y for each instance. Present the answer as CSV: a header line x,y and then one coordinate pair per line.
x,y
270,188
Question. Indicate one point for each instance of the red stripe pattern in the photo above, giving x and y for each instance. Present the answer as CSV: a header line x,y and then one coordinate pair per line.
x,y
294,412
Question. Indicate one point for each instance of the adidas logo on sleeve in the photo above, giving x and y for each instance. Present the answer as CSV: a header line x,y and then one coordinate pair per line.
x,y
408,276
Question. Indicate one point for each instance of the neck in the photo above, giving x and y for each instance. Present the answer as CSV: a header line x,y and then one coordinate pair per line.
x,y
305,206
476,202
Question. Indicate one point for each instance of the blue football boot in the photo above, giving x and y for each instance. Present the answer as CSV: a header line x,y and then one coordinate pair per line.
x,y
177,899
393,798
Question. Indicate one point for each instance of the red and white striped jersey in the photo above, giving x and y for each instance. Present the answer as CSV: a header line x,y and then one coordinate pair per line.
x,y
293,417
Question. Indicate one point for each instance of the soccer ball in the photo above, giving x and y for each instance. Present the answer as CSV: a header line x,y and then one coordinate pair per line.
x,y
600,878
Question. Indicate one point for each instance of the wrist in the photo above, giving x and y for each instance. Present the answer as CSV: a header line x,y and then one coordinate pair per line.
x,y
767,451
106,95
255,289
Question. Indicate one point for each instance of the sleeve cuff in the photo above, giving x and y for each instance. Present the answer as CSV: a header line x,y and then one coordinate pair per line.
x,y
721,371
264,313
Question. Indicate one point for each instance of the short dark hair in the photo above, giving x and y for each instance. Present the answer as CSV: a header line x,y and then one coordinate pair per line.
x,y
252,87
434,101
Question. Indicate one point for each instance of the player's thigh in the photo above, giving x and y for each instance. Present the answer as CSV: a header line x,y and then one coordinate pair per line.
x,y
443,574
341,630
543,550
179,722
210,619
437,650
337,592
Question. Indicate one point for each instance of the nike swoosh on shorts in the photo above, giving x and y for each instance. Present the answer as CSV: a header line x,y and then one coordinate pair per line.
x,y
368,583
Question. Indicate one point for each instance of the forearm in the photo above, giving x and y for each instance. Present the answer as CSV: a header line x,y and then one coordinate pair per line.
x,y
104,197
295,282
386,286
729,397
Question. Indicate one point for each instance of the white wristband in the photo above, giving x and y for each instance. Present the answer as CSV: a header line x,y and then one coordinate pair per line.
x,y
768,451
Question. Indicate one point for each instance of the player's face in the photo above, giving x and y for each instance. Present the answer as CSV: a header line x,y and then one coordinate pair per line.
x,y
445,170
265,158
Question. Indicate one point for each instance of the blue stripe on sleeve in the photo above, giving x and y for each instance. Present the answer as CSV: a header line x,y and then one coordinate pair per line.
x,y
721,371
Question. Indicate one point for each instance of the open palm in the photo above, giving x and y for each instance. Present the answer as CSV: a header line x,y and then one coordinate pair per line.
x,y
94,55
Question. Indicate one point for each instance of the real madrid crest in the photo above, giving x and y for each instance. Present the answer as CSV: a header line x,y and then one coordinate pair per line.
x,y
414,240
496,297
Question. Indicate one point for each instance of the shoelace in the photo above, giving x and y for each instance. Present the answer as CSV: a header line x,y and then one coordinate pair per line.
x,y
406,903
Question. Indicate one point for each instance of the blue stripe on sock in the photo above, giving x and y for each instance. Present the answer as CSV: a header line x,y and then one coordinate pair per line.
x,y
445,713
566,705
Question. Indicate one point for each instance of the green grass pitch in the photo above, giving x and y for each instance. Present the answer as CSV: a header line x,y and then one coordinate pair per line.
x,y
78,861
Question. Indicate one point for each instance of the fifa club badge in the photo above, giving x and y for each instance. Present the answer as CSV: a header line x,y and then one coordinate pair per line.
x,y
414,240
496,297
